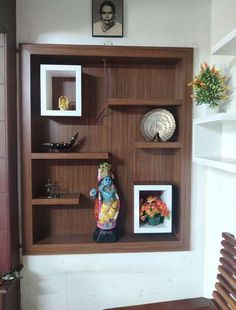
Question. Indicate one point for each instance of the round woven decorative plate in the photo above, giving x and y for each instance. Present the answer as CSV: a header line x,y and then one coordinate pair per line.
x,y
158,124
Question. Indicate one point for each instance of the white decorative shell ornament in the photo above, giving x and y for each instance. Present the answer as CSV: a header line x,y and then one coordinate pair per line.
x,y
158,123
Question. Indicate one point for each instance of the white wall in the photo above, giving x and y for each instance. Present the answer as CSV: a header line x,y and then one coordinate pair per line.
x,y
220,186
223,19
95,282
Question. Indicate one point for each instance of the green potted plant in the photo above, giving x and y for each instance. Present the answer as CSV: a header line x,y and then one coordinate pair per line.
x,y
209,87
153,210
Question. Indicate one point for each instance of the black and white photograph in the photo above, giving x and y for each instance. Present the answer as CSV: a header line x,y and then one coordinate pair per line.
x,y
107,18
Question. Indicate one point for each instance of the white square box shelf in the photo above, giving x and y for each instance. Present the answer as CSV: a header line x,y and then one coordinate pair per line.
x,y
57,81
164,192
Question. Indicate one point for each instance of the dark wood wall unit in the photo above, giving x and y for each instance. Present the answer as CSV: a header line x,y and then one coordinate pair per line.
x,y
9,233
123,83
10,295
9,229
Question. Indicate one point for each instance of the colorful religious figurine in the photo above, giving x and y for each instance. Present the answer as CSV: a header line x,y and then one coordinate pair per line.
x,y
107,205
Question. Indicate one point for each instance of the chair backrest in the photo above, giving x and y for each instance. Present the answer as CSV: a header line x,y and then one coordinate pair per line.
x,y
224,297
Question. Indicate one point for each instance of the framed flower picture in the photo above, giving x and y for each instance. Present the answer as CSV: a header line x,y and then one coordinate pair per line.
x,y
107,18
152,208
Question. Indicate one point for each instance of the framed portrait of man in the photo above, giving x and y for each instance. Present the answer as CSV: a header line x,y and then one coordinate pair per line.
x,y
107,18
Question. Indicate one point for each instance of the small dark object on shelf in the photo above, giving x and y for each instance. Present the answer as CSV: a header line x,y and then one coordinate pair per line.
x,y
51,190
62,146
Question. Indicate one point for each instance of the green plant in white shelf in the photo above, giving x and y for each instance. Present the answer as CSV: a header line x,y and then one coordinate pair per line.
x,y
209,87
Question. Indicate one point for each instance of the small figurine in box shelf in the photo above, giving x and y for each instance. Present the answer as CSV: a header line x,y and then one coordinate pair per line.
x,y
107,205
63,103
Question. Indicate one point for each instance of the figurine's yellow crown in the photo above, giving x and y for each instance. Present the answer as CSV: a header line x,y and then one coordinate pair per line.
x,y
104,170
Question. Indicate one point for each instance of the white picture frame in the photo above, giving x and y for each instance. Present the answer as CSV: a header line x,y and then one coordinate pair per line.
x,y
164,192
70,76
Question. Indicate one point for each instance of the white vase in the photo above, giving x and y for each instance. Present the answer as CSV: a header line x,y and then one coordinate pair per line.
x,y
211,111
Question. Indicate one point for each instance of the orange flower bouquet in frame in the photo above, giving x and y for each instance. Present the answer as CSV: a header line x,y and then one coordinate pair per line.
x,y
153,210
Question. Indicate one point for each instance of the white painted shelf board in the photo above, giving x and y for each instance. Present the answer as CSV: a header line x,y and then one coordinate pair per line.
x,y
226,46
216,118
226,164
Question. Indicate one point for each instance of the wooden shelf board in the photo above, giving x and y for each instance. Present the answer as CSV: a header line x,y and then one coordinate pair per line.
x,y
60,155
221,163
62,200
226,46
84,243
121,102
158,145
87,238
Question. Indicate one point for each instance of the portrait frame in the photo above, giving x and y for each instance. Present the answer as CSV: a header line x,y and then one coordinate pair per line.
x,y
106,29
141,192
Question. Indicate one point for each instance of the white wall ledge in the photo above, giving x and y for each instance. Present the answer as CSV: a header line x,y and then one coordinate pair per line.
x,y
226,46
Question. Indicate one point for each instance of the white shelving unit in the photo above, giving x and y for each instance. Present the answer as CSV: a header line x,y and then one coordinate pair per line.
x,y
214,136
226,46
214,141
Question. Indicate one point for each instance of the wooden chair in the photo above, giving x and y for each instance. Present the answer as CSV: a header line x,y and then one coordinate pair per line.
x,y
224,297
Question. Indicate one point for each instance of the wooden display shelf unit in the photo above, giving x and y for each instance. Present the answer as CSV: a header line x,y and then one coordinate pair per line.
x,y
135,80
